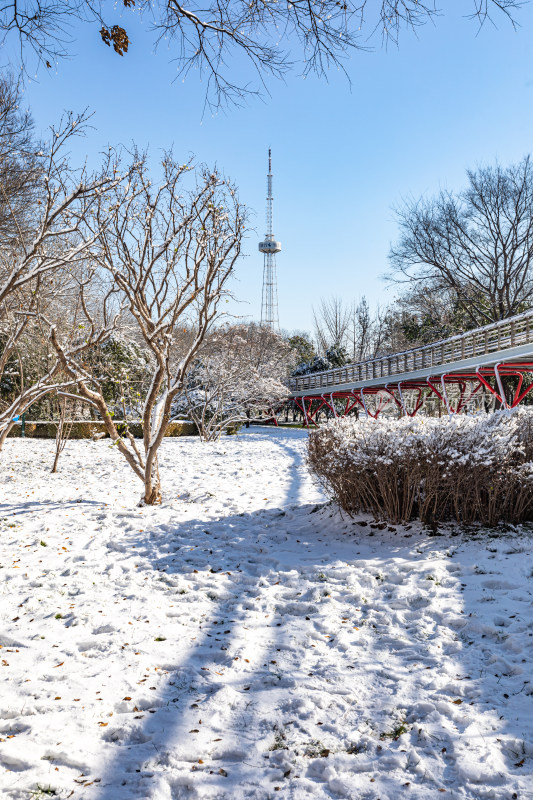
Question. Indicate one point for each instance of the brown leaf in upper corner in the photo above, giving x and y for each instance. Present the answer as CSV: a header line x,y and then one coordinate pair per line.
x,y
117,36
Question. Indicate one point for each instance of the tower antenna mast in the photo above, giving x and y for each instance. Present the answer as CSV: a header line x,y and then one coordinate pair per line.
x,y
269,301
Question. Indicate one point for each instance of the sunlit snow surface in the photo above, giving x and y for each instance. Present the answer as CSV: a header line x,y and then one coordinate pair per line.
x,y
244,641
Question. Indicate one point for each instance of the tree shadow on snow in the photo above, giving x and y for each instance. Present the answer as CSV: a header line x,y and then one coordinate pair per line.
x,y
248,676
30,506
223,572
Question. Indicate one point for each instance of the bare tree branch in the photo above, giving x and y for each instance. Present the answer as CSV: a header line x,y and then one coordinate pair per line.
x,y
476,245
272,37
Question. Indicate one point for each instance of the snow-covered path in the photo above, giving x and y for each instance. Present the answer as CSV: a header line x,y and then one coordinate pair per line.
x,y
244,642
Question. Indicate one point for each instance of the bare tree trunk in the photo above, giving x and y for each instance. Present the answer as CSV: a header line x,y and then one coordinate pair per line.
x,y
5,433
152,481
63,432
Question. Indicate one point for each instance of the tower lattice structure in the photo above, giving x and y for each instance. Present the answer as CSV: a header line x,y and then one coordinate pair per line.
x,y
269,247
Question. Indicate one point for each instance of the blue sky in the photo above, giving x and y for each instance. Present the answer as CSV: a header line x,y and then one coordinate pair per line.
x,y
414,119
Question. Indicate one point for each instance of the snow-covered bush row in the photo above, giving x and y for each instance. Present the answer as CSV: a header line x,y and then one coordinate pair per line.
x,y
468,468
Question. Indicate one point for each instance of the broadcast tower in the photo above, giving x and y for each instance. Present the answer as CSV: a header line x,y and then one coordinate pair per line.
x,y
269,302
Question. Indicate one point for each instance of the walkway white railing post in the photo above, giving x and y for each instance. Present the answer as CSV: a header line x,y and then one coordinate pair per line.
x,y
500,387
445,395
401,398
364,403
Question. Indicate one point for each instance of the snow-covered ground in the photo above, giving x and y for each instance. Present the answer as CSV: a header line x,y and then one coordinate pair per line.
x,y
244,641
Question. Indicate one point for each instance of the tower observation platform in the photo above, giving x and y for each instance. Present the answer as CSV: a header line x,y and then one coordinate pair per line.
x,y
270,246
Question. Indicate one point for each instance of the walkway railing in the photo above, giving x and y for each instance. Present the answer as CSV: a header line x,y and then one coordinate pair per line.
x,y
498,336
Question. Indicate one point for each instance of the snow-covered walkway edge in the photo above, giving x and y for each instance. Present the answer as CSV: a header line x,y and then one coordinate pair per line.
x,y
245,642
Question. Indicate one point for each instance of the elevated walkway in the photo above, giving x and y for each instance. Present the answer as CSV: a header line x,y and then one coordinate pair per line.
x,y
469,360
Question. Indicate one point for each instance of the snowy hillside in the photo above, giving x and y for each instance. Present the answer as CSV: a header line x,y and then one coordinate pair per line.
x,y
245,642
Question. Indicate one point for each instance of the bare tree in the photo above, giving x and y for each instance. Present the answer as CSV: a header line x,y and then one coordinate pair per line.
x,y
38,266
63,432
476,246
168,254
238,374
272,37
19,164
359,331
332,320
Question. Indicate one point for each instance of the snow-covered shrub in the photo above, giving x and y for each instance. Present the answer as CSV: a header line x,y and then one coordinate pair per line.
x,y
468,468
238,374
